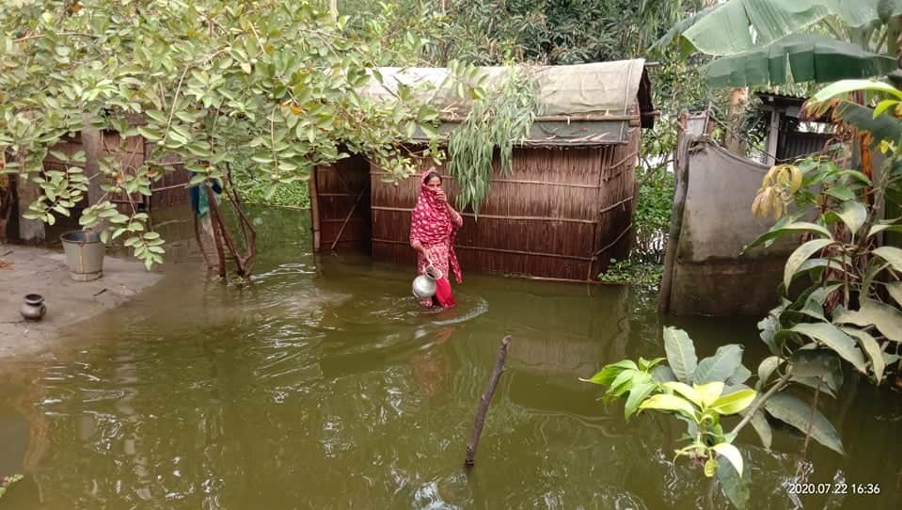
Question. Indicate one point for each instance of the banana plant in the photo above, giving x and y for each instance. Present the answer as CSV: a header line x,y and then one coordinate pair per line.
x,y
761,42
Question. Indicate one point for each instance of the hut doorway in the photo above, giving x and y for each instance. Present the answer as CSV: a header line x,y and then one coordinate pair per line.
x,y
340,205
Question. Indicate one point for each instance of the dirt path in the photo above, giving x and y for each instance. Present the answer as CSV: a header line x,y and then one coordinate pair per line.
x,y
25,270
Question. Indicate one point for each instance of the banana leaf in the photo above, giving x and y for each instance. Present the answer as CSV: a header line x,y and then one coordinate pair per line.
x,y
728,28
884,127
797,58
686,48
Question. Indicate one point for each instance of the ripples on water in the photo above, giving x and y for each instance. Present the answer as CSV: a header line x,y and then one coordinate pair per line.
x,y
322,384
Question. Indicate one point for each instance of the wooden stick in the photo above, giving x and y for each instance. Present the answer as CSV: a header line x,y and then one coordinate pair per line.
x,y
348,217
484,402
200,244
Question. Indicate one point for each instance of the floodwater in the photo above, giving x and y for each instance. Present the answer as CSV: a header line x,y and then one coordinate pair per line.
x,y
322,385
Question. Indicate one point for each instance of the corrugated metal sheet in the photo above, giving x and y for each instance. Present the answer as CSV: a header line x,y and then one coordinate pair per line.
x,y
795,145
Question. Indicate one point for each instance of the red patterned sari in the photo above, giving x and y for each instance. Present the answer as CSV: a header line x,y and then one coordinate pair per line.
x,y
433,226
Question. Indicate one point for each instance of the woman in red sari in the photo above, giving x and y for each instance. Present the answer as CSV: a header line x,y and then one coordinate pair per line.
x,y
433,226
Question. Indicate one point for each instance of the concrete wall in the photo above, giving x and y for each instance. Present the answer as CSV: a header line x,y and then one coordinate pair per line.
x,y
707,274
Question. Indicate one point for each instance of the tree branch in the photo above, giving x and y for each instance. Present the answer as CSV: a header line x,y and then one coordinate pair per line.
x,y
756,405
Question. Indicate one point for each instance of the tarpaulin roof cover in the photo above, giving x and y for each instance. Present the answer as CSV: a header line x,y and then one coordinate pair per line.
x,y
575,101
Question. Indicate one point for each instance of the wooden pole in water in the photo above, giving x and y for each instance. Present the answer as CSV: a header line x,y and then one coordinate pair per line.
x,y
484,402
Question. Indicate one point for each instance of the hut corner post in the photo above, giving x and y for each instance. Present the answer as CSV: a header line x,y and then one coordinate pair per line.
x,y
312,192
483,408
681,170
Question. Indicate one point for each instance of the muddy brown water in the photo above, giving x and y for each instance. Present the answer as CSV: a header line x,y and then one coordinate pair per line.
x,y
323,385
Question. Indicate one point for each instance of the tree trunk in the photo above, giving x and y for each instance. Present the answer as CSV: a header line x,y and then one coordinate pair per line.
x,y
27,191
733,141
92,143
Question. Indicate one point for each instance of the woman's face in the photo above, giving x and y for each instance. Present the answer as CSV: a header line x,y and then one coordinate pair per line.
x,y
435,183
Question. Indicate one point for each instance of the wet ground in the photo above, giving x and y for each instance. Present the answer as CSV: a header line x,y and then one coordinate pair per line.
x,y
323,385
32,270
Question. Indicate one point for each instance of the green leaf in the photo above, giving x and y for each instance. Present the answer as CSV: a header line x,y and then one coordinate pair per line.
x,y
663,402
800,255
621,384
731,453
734,402
793,411
821,364
841,192
735,487
876,229
709,392
728,29
720,366
768,328
815,383
853,214
607,374
870,346
884,105
686,391
873,313
834,338
157,116
429,131
637,395
740,375
791,228
762,427
710,467
151,134
794,59
874,268
680,353
841,88
662,374
895,291
646,364
890,254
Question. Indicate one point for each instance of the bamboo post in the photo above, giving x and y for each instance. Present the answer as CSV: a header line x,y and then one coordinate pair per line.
x,y
483,408
314,208
681,170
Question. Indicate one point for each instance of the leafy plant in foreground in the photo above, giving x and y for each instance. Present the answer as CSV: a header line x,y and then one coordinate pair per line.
x,y
699,393
847,314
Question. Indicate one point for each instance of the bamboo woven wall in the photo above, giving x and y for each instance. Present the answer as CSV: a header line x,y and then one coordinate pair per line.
x,y
340,202
131,153
561,213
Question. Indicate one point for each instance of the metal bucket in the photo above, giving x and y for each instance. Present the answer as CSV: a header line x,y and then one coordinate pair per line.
x,y
84,255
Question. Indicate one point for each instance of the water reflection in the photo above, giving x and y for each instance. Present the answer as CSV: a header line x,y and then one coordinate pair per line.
x,y
323,385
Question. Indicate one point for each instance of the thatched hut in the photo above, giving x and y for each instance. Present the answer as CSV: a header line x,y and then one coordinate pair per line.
x,y
562,213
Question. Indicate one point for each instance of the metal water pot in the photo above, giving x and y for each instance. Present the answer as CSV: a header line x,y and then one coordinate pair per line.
x,y
33,307
424,285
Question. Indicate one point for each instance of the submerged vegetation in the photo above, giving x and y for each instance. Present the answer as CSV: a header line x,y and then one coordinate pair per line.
x,y
6,481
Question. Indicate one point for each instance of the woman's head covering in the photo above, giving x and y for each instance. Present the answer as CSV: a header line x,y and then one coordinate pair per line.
x,y
430,223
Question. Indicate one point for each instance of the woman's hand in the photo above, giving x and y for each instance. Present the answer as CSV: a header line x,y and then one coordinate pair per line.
x,y
441,197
